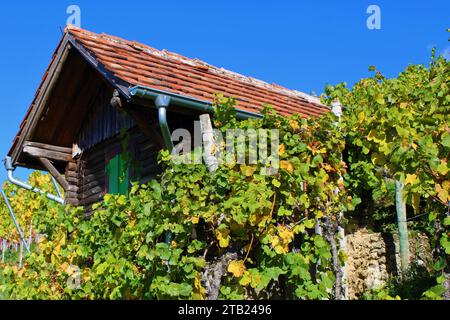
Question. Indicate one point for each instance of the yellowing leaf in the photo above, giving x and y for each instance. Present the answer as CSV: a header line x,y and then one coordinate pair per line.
x,y
246,279
294,125
281,249
285,234
248,170
442,193
341,184
223,235
410,179
194,220
372,135
275,241
287,165
361,116
256,279
237,268
64,266
442,168
281,149
415,201
199,293
379,99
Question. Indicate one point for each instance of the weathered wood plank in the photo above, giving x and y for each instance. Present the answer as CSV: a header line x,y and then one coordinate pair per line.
x,y
49,154
71,166
47,147
95,190
72,174
92,184
50,168
72,202
72,188
92,199
92,176
71,181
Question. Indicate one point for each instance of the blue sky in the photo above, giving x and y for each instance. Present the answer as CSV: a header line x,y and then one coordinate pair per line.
x,y
299,44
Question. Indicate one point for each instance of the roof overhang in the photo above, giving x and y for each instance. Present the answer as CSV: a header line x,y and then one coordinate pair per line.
x,y
67,46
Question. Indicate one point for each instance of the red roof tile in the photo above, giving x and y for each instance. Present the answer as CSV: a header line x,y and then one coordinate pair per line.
x,y
139,64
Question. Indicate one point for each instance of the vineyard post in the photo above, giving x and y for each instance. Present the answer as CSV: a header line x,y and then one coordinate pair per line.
x,y
30,234
36,240
20,255
212,276
3,250
208,142
400,205
343,290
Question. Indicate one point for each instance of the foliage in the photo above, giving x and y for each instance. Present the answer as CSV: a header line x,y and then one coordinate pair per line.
x,y
26,205
161,240
266,221
399,129
418,284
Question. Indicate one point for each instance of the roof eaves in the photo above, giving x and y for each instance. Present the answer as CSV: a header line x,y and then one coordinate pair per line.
x,y
117,83
42,93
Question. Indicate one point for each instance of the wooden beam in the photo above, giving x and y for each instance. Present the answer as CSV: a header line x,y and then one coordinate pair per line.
x,y
38,150
47,147
147,127
50,168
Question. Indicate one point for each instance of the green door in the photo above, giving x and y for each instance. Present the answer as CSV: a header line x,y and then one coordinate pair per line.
x,y
117,176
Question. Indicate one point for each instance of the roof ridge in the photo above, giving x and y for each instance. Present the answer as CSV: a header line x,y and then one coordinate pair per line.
x,y
199,64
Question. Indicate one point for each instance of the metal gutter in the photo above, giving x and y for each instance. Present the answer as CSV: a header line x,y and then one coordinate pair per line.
x,y
10,169
183,101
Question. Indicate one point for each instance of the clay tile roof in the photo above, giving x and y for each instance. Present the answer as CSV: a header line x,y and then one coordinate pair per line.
x,y
138,64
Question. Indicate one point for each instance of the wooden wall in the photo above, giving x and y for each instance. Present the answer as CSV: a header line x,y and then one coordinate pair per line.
x,y
71,175
100,140
88,174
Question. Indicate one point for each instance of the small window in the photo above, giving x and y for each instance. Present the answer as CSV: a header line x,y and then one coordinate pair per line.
x,y
118,175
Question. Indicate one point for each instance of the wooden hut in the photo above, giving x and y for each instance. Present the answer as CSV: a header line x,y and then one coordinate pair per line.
x,y
102,96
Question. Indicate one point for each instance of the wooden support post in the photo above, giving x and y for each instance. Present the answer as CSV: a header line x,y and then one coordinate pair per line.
x,y
55,173
30,235
208,143
20,254
3,250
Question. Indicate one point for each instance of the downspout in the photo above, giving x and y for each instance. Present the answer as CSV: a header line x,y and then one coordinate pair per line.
x,y
10,169
11,212
162,102
55,184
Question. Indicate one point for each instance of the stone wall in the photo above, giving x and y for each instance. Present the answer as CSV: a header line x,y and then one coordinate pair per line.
x,y
374,257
